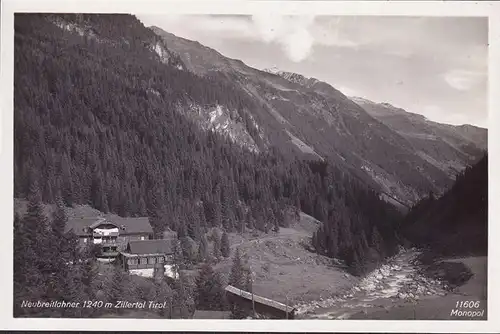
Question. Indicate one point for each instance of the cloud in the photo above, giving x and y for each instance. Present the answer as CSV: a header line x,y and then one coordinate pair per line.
x,y
441,61
463,80
292,33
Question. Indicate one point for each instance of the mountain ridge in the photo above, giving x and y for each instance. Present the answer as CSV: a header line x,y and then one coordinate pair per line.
x,y
311,116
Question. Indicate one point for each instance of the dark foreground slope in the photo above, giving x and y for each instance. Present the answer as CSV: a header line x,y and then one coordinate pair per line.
x,y
456,223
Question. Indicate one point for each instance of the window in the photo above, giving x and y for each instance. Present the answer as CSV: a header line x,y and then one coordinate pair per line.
x,y
160,259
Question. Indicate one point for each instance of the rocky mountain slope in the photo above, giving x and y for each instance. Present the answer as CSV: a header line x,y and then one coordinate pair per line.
x,y
311,118
449,148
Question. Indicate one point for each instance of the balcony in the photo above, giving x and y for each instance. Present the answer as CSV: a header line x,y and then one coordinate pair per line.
x,y
106,241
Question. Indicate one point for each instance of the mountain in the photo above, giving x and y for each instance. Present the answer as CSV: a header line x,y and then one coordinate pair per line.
x,y
311,118
449,148
109,114
457,222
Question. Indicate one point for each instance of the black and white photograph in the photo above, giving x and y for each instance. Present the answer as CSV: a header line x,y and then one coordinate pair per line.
x,y
265,166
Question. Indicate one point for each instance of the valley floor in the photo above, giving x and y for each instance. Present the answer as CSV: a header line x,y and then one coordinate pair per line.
x,y
320,288
285,271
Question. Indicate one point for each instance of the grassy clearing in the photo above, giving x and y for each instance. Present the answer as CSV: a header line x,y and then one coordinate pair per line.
x,y
283,269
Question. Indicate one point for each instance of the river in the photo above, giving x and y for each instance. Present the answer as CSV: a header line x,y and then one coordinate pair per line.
x,y
395,282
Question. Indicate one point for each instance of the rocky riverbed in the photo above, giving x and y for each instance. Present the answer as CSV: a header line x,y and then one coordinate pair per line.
x,y
399,280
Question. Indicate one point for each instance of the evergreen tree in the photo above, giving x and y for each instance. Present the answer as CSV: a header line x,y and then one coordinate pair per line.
x,y
183,298
216,245
115,285
209,290
178,259
189,252
203,252
59,218
164,293
35,225
224,246
237,277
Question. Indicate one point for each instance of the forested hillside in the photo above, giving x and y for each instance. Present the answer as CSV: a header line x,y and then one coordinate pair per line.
x,y
96,120
457,222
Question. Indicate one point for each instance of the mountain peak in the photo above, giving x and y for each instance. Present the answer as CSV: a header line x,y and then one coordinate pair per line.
x,y
272,70
359,100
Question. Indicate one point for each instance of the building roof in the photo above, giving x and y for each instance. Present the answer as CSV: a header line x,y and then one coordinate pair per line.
x,y
157,246
127,225
259,299
202,314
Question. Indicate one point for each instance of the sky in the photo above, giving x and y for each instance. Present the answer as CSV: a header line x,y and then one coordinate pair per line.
x,y
434,66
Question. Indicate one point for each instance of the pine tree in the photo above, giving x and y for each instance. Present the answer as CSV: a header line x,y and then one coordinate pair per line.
x,y
237,276
276,226
203,252
35,225
59,218
115,285
189,253
216,245
224,246
377,241
89,272
74,291
61,250
183,297
178,259
208,290
164,293
23,267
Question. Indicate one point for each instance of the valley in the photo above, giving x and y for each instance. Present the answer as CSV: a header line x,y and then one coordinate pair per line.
x,y
138,151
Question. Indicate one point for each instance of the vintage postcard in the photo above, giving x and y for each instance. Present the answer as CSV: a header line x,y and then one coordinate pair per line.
x,y
249,165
